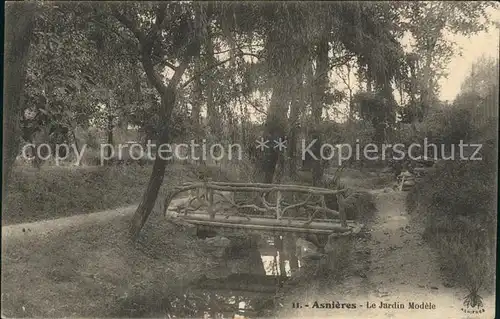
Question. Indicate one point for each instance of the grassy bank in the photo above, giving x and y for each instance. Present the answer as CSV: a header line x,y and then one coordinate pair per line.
x,y
93,270
54,192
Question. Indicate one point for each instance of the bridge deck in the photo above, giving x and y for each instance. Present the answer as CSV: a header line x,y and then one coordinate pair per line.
x,y
213,206
268,224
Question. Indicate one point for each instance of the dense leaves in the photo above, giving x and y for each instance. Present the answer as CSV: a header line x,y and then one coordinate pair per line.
x,y
217,71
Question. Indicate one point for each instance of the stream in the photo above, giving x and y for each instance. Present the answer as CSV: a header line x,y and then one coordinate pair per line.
x,y
248,284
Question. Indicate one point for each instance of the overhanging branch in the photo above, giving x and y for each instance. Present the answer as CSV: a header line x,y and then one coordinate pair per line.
x,y
146,46
254,106
194,77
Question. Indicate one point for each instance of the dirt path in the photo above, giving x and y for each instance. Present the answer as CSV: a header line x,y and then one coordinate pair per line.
x,y
400,268
46,227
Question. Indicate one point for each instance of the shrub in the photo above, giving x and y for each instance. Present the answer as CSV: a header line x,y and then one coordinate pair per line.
x,y
457,205
360,205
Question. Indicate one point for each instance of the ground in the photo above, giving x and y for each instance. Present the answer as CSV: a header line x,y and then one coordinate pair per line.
x,y
400,267
85,266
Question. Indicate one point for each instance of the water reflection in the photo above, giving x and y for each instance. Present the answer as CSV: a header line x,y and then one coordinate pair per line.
x,y
220,304
249,293
278,256
252,274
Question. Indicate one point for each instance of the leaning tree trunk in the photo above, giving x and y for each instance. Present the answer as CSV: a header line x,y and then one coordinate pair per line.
x,y
167,100
156,179
19,18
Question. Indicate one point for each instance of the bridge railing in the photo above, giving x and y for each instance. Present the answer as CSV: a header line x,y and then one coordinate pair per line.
x,y
267,205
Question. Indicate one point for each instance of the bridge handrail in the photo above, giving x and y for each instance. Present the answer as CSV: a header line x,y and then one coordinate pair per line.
x,y
252,187
278,208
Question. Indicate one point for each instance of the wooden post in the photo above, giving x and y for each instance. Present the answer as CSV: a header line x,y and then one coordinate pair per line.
x,y
211,209
342,213
278,208
209,198
166,203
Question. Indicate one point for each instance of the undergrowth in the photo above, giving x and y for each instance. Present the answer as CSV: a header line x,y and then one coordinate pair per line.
x,y
457,205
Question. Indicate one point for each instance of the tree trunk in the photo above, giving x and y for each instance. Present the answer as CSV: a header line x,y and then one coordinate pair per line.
x,y
274,129
196,108
40,137
295,110
156,179
214,118
77,146
379,134
413,100
427,89
149,134
109,135
19,18
320,87
351,104
167,97
197,132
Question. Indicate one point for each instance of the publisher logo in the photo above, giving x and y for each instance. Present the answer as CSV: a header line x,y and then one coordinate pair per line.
x,y
473,304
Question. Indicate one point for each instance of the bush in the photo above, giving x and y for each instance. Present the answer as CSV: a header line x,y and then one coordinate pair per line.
x,y
360,205
457,204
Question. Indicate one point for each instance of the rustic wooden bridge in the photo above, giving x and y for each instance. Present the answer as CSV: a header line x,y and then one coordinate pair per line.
x,y
271,208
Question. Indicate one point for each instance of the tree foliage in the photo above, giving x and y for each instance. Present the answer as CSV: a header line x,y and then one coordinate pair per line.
x,y
219,70
429,25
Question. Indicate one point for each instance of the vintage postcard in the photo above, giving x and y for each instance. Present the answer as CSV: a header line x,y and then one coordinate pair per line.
x,y
187,159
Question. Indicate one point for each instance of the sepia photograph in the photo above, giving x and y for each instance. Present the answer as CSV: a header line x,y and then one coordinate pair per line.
x,y
250,159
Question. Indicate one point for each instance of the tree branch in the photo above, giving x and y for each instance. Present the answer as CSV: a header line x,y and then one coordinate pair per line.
x,y
131,25
170,65
153,77
106,27
194,77
342,60
335,63
237,49
146,46
176,78
254,106
159,24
